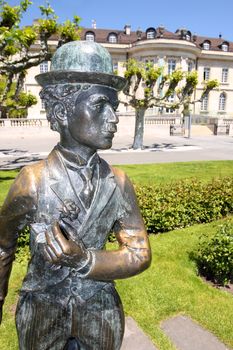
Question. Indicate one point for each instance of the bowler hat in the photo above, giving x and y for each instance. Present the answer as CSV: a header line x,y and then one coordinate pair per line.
x,y
81,62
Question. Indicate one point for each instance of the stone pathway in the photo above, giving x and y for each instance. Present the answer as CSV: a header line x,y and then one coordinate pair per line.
x,y
184,333
188,335
135,338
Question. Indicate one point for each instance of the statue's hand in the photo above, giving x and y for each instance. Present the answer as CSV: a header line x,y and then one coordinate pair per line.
x,y
61,250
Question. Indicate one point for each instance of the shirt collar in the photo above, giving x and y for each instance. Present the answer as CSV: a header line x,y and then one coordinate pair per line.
x,y
74,160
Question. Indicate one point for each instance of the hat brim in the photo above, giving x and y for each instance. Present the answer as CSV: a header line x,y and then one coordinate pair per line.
x,y
65,77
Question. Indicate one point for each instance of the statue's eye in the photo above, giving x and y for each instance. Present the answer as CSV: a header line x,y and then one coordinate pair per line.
x,y
98,106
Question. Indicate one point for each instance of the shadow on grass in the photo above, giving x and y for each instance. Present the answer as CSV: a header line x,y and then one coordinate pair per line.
x,y
18,163
2,179
154,147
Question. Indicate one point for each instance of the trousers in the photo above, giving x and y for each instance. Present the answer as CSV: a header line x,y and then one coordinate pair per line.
x,y
44,324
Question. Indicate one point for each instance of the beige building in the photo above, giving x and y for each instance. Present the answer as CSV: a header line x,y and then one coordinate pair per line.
x,y
211,57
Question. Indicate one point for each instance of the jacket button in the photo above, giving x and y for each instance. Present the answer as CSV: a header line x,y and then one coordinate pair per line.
x,y
73,272
74,290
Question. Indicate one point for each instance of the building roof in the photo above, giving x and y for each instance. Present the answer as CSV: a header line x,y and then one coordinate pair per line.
x,y
102,36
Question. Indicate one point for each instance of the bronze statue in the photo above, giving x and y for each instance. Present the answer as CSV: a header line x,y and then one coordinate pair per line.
x,y
72,201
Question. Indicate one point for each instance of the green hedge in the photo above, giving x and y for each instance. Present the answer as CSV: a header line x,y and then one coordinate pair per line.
x,y
184,203
214,255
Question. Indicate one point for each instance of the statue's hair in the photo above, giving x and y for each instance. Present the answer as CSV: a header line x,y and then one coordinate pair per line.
x,y
62,95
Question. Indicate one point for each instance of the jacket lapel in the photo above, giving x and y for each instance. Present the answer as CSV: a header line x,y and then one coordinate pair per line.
x,y
58,179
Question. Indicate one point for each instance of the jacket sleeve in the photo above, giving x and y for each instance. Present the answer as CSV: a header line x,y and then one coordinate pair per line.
x,y
134,254
16,212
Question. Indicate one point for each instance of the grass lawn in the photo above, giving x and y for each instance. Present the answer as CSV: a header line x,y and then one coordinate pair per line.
x,y
171,172
169,287
153,173
6,179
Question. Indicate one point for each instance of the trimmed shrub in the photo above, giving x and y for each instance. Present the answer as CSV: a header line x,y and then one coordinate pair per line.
x,y
184,203
215,255
174,206
22,251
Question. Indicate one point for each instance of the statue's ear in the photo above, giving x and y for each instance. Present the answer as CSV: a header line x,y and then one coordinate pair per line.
x,y
60,112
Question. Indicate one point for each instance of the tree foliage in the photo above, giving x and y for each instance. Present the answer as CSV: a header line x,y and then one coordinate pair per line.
x,y
17,44
16,109
148,86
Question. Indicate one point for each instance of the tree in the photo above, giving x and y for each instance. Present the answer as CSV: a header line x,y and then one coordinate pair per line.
x,y
17,46
148,86
12,108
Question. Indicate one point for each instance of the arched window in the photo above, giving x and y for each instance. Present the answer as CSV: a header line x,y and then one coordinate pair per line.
x,y
150,33
222,102
206,45
112,38
225,46
90,36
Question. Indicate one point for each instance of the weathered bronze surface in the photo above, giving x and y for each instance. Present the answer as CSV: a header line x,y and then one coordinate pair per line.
x,y
72,201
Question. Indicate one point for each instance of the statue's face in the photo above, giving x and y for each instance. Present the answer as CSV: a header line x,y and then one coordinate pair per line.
x,y
93,123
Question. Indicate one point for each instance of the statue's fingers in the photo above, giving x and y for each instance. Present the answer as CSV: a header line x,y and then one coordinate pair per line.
x,y
60,239
50,255
53,244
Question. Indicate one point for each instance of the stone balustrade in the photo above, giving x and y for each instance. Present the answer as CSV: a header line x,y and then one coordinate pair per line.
x,y
23,122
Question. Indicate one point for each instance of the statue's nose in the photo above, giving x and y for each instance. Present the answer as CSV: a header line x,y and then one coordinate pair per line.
x,y
111,114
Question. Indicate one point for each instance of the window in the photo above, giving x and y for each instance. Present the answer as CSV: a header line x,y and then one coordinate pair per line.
x,y
112,38
150,34
43,104
171,66
44,67
115,66
190,66
224,75
206,73
170,99
222,102
225,47
206,45
204,104
90,36
149,61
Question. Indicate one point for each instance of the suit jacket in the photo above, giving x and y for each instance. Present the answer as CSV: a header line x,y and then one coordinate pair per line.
x,y
38,196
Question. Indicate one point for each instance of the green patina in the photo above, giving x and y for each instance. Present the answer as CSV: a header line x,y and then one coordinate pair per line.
x,y
81,62
82,56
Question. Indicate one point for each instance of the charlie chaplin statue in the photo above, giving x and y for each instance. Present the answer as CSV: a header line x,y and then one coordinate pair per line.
x,y
72,201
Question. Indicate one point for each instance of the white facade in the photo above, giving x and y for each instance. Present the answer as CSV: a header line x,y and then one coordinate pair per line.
x,y
172,53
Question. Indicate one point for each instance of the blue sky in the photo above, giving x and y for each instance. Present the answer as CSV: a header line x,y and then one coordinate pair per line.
x,y
206,17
